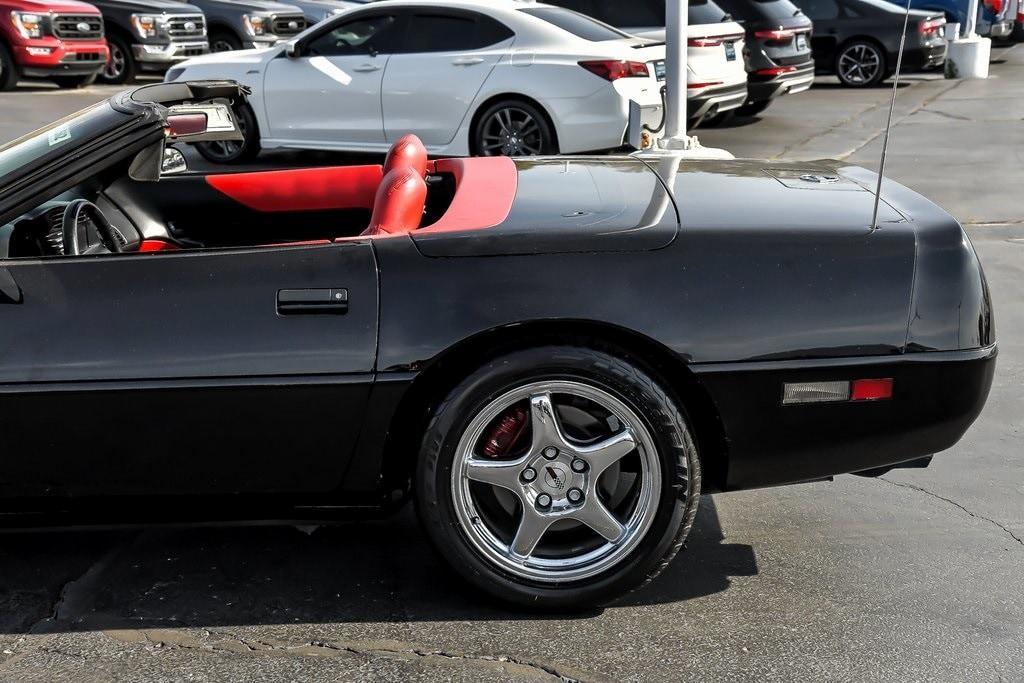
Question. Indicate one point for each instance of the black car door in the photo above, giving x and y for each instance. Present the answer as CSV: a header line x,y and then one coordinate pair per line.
x,y
196,372
826,15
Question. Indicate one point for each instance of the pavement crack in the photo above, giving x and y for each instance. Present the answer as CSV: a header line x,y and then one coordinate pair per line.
x,y
831,129
994,223
956,117
952,502
224,642
913,110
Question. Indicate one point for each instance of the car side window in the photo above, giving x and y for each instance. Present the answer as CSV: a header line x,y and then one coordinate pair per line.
x,y
365,35
819,10
437,31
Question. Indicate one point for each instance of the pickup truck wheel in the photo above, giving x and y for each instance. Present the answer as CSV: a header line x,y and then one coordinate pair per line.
x,y
231,151
221,41
558,477
120,67
72,82
8,69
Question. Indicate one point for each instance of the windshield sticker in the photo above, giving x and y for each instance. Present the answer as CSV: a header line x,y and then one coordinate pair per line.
x,y
58,135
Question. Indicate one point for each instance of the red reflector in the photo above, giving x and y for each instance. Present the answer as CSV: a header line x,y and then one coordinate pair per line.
x,y
703,85
612,70
776,71
871,389
780,34
186,124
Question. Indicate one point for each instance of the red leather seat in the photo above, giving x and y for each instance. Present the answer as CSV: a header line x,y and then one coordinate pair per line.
x,y
398,206
407,152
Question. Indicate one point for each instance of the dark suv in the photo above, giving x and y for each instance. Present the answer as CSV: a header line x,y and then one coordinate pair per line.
x,y
238,24
149,35
779,58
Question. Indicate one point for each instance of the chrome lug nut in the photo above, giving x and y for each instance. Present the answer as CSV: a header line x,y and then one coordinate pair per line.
x,y
579,465
529,474
550,452
575,496
543,501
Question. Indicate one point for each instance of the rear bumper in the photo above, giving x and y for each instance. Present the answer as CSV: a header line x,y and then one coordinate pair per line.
x,y
936,397
1000,29
927,57
152,57
716,100
760,89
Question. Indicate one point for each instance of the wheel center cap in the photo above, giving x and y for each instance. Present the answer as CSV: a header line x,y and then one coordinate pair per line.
x,y
556,477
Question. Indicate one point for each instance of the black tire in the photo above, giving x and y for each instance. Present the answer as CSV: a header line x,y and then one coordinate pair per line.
x,y
223,41
120,67
235,152
72,82
718,119
665,422
8,69
753,109
513,127
869,56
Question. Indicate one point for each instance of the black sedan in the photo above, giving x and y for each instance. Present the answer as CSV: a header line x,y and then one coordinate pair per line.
x,y
553,357
859,40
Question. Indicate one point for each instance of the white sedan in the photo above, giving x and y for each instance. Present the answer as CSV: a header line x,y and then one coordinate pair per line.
x,y
482,77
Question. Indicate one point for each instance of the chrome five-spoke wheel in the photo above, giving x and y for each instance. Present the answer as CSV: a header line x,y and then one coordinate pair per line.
x,y
569,499
558,477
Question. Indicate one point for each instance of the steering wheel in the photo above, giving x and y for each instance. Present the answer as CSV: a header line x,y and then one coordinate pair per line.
x,y
83,221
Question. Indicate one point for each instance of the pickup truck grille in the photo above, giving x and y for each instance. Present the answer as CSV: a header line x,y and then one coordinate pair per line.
x,y
184,26
288,26
78,26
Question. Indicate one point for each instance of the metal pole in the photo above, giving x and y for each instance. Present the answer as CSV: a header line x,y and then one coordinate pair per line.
x,y
972,19
676,20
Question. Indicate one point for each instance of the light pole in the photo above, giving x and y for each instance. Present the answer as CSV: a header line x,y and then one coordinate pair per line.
x,y
676,138
676,23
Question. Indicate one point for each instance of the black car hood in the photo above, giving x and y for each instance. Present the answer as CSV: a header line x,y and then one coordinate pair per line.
x,y
257,5
569,204
153,6
749,193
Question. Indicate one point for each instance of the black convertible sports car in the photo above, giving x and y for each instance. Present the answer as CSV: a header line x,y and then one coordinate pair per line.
x,y
554,357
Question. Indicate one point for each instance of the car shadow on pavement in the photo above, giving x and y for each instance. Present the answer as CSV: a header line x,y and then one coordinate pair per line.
x,y
380,571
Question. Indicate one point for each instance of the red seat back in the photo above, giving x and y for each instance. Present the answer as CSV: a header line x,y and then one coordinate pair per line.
x,y
407,152
398,206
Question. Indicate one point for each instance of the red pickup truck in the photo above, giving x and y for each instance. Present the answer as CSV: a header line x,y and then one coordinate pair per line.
x,y
60,40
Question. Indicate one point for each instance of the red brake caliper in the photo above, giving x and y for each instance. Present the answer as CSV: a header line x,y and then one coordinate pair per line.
x,y
506,434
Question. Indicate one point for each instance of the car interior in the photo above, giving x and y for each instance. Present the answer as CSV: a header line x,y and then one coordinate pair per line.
x,y
114,213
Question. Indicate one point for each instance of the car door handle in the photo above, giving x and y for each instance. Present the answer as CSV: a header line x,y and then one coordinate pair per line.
x,y
467,61
367,68
10,292
312,301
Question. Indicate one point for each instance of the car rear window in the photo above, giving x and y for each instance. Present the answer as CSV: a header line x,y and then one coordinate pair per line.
x,y
707,12
575,23
760,10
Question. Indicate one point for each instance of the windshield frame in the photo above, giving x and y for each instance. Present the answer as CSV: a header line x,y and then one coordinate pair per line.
x,y
109,133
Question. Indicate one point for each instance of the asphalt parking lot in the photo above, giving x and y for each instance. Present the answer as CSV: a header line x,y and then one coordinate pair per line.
x,y
918,575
